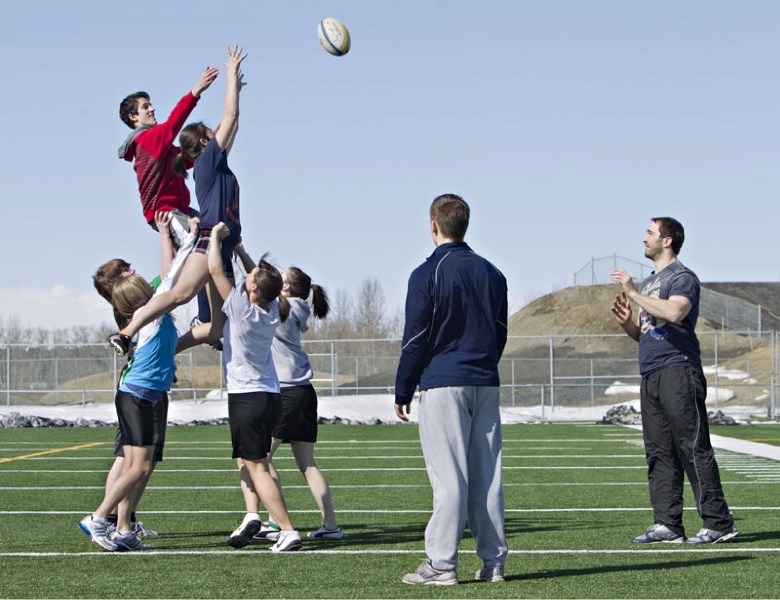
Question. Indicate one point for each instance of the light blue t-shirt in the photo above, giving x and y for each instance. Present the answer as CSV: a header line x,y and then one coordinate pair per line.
x,y
292,363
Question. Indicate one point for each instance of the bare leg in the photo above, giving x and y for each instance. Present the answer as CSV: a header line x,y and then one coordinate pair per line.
x,y
205,332
192,278
251,499
269,493
304,457
137,464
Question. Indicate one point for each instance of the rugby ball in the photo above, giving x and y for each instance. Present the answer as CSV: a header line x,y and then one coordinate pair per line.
x,y
333,36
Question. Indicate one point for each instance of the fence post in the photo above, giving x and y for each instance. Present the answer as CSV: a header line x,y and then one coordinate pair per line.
x,y
8,375
552,380
512,364
592,385
717,372
334,370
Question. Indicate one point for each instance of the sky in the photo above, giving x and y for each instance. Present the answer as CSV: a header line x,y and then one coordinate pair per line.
x,y
566,125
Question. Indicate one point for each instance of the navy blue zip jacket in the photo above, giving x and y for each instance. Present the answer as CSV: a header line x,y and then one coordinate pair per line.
x,y
456,323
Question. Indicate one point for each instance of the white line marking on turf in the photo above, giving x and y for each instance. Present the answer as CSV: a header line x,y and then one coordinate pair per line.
x,y
375,511
254,553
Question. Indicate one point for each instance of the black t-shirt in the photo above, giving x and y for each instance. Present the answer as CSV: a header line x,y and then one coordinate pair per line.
x,y
662,343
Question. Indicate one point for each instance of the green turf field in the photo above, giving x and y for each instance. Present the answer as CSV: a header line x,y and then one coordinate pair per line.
x,y
575,495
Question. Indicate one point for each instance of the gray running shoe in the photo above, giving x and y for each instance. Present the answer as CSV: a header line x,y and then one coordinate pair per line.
x,y
98,532
427,575
128,542
141,531
659,533
710,536
493,575
288,541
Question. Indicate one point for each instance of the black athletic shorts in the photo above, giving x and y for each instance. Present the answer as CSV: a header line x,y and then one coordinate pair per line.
x,y
252,418
159,425
298,421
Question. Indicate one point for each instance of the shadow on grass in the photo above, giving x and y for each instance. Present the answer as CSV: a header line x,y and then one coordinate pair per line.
x,y
683,564
755,537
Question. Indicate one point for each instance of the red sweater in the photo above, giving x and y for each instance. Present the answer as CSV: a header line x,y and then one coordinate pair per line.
x,y
152,153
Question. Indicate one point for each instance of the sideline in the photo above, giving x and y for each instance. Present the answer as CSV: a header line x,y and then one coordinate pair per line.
x,y
722,442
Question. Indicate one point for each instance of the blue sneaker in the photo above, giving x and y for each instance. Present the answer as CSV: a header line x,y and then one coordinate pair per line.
x,y
659,533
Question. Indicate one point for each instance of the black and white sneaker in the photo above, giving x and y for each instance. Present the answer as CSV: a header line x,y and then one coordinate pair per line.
x,y
119,343
246,531
288,541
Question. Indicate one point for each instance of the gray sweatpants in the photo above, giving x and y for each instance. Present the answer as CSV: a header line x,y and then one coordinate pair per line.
x,y
460,433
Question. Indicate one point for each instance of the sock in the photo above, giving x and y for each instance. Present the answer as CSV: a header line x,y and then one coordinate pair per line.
x,y
112,518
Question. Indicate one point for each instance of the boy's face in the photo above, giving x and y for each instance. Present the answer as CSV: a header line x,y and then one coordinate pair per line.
x,y
144,116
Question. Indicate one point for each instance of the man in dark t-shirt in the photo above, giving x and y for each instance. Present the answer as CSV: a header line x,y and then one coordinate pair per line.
x,y
673,391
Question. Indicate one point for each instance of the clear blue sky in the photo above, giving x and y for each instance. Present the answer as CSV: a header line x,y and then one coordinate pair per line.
x,y
565,124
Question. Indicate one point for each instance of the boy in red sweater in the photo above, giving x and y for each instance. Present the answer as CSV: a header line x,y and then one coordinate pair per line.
x,y
151,149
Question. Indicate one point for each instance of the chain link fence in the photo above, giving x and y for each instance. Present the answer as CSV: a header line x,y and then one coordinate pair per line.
x,y
561,370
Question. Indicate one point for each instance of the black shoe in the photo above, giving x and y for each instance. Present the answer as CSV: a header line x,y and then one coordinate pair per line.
x,y
216,344
120,343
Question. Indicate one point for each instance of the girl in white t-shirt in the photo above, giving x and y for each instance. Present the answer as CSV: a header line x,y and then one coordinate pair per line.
x,y
254,403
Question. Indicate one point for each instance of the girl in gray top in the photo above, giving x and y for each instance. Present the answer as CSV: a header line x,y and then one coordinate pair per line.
x,y
297,423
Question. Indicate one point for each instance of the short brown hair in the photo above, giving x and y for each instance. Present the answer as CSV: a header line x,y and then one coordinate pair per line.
x,y
129,106
107,275
451,213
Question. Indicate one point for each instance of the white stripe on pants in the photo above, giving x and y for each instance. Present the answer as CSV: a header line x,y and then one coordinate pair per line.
x,y
460,433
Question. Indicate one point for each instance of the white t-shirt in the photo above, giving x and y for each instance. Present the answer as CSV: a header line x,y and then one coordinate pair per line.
x,y
247,338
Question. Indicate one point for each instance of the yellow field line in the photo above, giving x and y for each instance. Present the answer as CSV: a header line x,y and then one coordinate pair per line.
x,y
55,451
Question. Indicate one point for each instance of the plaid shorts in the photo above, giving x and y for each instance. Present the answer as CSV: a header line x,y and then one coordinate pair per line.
x,y
202,243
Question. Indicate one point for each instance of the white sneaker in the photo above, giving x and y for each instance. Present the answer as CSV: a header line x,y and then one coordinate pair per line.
x,y
98,532
268,531
288,541
246,531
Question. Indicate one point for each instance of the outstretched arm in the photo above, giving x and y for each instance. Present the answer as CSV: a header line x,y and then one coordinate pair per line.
x,y
243,255
216,269
206,79
226,132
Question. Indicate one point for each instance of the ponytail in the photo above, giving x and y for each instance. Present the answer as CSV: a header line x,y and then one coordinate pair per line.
x,y
319,301
284,308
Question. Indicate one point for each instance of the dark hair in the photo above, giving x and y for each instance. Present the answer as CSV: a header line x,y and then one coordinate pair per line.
x,y
451,213
269,284
107,275
191,148
130,293
300,286
671,228
129,106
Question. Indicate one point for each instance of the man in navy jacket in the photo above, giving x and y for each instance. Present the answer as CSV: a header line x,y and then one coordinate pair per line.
x,y
454,334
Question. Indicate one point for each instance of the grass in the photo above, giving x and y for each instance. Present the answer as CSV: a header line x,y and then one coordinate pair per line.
x,y
575,495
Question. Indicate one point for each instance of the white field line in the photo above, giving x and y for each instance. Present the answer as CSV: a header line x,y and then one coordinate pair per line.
x,y
724,549
366,511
